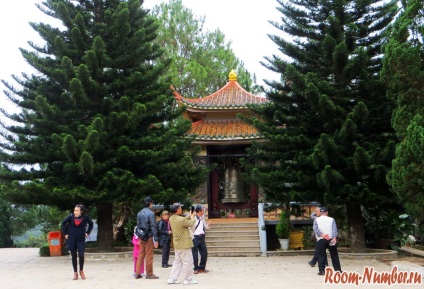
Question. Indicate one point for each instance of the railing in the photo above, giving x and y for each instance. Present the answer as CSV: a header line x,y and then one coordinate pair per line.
x,y
262,229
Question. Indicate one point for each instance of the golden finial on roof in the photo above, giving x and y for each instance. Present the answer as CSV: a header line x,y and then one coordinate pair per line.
x,y
232,76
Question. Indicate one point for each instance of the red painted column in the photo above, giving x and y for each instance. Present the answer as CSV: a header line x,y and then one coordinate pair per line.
x,y
254,201
214,191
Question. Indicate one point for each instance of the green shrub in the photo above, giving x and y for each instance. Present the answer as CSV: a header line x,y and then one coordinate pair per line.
x,y
31,242
282,228
44,250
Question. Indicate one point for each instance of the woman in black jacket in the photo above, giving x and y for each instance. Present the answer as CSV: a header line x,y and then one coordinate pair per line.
x,y
76,228
164,232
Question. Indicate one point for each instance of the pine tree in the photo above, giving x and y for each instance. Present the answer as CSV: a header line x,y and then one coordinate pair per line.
x,y
407,174
327,128
403,72
201,59
97,125
5,225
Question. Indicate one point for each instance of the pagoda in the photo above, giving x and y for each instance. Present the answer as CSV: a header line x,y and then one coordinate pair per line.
x,y
224,139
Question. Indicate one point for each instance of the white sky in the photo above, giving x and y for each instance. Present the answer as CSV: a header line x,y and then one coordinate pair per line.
x,y
244,23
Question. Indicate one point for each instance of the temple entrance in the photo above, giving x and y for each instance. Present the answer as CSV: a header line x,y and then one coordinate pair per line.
x,y
231,195
223,138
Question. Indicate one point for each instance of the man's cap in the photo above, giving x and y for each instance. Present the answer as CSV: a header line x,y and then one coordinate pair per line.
x,y
148,200
323,209
165,213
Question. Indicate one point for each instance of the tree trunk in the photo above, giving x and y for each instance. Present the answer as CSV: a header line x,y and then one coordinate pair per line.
x,y
118,229
356,228
105,230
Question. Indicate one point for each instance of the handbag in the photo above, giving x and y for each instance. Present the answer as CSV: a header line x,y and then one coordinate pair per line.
x,y
142,233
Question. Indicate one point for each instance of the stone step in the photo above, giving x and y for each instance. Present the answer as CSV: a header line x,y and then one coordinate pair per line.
x,y
234,243
241,248
234,229
253,253
231,238
250,224
211,233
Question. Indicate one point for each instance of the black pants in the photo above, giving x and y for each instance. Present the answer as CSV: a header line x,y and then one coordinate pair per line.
x,y
199,247
166,247
74,259
315,258
322,246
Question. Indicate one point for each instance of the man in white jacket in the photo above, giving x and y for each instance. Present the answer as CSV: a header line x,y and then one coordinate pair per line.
x,y
325,229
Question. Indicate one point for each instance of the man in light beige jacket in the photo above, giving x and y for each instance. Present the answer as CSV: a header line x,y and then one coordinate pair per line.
x,y
183,262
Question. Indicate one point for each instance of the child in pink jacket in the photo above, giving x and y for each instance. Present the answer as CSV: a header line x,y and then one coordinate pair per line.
x,y
135,253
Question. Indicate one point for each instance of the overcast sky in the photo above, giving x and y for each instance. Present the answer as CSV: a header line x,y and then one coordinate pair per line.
x,y
244,23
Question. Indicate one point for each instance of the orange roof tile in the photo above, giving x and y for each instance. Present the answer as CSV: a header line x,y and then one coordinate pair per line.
x,y
231,96
223,130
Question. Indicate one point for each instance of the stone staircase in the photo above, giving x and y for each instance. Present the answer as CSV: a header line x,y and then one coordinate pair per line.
x,y
233,238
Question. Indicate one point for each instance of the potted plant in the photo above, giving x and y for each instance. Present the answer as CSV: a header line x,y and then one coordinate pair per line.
x,y
282,231
296,239
392,229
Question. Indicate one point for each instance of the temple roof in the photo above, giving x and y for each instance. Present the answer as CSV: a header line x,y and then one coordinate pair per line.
x,y
230,96
224,130
224,104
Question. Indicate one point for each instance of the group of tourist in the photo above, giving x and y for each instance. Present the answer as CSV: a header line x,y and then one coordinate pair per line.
x,y
188,240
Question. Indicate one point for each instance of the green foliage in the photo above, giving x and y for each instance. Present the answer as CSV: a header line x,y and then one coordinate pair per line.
x,y
5,225
327,130
403,72
99,123
26,217
407,174
44,250
31,242
390,224
200,59
282,228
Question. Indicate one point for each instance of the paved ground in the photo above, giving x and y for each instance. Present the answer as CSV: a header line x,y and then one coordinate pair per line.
x,y
23,268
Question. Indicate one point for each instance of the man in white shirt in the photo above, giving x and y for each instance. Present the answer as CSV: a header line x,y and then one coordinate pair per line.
x,y
199,240
314,215
325,229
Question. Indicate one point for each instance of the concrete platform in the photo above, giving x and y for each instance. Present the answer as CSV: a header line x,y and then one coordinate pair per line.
x,y
23,268
408,266
412,251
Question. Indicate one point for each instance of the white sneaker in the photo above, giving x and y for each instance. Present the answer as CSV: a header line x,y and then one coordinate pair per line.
x,y
189,282
173,281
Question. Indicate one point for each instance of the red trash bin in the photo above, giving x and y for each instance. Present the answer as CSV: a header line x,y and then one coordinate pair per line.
x,y
55,243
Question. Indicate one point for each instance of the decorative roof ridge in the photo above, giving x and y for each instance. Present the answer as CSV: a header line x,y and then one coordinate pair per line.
x,y
229,84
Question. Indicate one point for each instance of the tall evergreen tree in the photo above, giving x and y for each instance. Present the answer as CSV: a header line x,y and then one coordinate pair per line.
x,y
97,126
328,126
404,73
407,174
5,225
201,59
